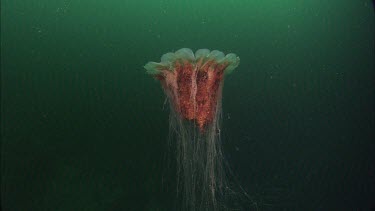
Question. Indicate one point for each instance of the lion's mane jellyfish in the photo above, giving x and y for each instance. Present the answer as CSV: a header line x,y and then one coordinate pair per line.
x,y
193,85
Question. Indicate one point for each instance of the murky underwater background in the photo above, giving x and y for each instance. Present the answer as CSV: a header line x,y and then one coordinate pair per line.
x,y
84,128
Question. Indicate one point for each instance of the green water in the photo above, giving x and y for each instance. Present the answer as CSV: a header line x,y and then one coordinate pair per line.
x,y
83,127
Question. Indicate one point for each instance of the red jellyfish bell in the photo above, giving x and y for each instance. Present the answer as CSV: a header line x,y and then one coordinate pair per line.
x,y
193,84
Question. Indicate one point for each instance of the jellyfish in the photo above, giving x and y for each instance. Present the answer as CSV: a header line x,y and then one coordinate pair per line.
x,y
193,86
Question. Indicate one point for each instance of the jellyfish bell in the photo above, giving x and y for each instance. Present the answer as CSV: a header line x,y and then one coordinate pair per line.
x,y
193,85
193,82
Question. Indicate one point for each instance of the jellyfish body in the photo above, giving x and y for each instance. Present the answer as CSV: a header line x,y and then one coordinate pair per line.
x,y
193,84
